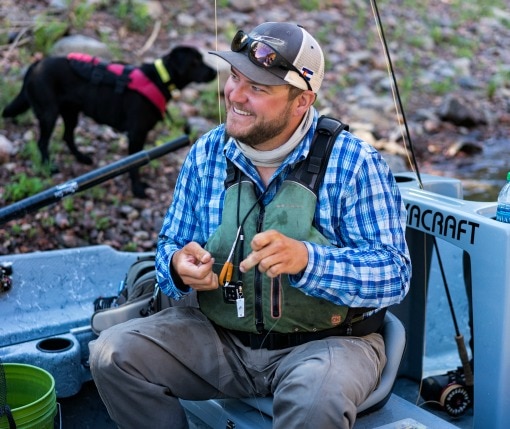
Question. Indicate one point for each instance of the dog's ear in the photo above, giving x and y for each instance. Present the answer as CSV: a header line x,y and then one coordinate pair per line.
x,y
186,65
182,55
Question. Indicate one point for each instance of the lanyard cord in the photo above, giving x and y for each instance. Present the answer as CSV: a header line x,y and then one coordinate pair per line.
x,y
240,224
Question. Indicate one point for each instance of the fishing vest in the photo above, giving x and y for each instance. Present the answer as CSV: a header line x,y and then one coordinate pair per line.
x,y
272,303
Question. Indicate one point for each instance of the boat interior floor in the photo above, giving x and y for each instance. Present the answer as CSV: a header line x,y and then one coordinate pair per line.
x,y
86,410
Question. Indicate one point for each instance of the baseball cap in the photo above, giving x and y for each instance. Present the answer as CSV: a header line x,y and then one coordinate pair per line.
x,y
277,53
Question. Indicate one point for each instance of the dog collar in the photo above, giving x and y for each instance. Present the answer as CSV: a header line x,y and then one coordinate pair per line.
x,y
163,74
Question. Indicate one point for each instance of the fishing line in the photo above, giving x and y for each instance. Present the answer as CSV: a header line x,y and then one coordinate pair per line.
x,y
408,145
216,59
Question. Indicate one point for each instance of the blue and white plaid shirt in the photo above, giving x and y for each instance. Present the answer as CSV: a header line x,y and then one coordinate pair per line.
x,y
360,211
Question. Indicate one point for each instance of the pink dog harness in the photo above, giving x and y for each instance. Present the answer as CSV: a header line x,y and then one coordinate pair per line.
x,y
137,80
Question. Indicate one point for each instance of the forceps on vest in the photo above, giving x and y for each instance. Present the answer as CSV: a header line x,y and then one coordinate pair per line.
x,y
225,276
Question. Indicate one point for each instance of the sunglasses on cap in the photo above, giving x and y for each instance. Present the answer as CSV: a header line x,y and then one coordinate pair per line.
x,y
263,55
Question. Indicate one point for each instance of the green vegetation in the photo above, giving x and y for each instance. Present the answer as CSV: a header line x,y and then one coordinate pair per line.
x,y
446,37
48,28
22,186
130,247
501,79
419,39
135,14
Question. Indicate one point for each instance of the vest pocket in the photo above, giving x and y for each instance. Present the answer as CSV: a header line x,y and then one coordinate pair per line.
x,y
276,298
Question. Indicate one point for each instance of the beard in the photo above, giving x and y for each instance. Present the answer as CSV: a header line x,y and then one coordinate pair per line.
x,y
260,132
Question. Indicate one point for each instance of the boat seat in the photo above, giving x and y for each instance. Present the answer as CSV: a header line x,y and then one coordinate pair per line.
x,y
247,413
394,335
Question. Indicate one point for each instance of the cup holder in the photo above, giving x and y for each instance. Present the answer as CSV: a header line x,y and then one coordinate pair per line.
x,y
55,345
403,179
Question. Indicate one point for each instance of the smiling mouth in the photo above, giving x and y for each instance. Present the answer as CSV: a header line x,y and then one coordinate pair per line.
x,y
240,112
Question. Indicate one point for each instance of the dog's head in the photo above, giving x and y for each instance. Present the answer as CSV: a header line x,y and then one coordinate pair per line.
x,y
186,65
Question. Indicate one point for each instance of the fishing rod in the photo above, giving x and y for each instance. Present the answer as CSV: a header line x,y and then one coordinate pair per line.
x,y
88,180
459,338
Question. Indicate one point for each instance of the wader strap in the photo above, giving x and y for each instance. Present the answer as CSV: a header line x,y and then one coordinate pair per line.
x,y
311,171
277,341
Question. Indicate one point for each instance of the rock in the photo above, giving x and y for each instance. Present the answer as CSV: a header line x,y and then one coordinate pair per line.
x,y
186,20
460,112
154,9
6,149
464,147
79,43
395,162
244,6
58,4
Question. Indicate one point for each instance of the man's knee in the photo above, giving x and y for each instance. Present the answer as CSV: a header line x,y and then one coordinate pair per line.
x,y
108,347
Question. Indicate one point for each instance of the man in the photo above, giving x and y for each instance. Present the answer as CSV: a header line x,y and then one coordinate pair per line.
x,y
292,288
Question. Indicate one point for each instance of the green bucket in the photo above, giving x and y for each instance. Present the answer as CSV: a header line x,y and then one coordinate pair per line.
x,y
30,396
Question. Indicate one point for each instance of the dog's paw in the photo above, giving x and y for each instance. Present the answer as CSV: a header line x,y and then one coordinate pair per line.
x,y
138,189
53,168
84,159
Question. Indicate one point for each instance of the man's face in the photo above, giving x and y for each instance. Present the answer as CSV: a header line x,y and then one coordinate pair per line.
x,y
257,115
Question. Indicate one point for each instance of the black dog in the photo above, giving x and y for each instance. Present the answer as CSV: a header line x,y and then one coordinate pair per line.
x,y
130,99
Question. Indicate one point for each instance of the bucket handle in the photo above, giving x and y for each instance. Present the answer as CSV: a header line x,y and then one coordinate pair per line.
x,y
6,411
4,408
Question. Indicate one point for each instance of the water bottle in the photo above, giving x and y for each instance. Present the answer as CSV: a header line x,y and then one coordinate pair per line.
x,y
503,212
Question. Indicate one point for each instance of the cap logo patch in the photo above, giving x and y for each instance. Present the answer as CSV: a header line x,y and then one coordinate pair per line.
x,y
307,73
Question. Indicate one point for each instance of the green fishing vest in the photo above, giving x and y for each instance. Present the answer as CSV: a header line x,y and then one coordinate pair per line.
x,y
273,304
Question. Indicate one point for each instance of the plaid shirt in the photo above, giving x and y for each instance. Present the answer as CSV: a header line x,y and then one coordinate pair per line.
x,y
360,211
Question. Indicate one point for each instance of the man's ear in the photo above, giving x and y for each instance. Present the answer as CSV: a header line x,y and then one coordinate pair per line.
x,y
304,101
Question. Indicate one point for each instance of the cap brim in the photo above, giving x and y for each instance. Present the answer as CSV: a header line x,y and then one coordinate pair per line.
x,y
253,72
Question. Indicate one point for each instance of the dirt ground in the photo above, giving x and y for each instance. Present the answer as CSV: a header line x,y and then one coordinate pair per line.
x,y
108,214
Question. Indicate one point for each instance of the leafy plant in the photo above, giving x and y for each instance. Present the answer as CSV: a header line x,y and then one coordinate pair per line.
x,y
30,152
102,223
47,32
80,12
23,186
48,28
210,106
310,5
134,13
68,205
130,247
499,80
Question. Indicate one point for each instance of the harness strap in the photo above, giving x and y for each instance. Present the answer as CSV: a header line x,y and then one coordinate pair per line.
x,y
123,79
98,73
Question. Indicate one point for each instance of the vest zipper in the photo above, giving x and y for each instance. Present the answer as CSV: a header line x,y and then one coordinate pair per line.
x,y
259,317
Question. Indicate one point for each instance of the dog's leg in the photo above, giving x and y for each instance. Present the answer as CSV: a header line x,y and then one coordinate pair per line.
x,y
70,117
136,139
47,120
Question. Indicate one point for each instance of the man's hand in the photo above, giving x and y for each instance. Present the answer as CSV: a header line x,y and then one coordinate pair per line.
x,y
276,254
194,265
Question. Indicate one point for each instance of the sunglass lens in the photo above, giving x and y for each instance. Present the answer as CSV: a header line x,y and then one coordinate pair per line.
x,y
262,53
239,41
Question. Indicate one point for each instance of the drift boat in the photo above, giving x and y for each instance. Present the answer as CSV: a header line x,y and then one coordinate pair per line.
x,y
47,300
46,303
